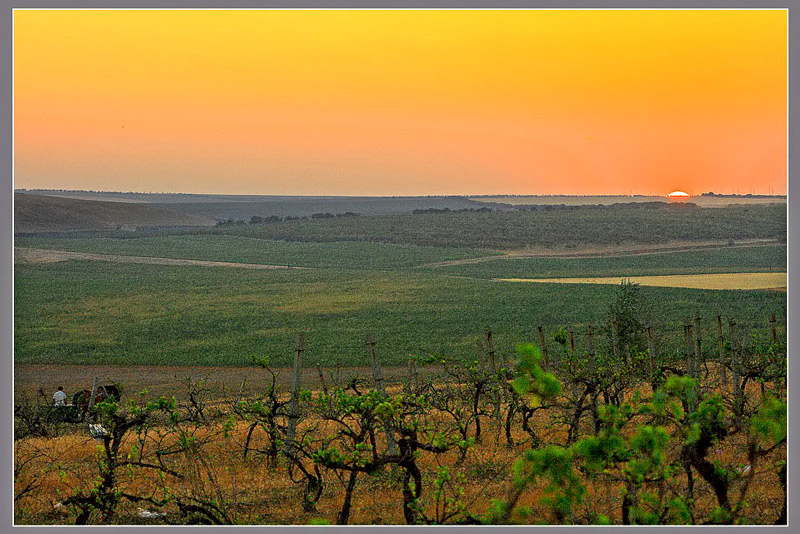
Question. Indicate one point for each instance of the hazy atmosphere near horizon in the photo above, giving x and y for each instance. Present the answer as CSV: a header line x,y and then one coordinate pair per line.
x,y
401,102
422,267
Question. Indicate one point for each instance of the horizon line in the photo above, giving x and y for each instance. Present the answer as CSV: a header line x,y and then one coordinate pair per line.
x,y
466,195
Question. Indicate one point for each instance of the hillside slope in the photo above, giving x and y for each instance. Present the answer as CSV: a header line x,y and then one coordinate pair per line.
x,y
38,213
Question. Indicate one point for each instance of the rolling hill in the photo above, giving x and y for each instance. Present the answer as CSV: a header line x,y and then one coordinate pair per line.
x,y
39,213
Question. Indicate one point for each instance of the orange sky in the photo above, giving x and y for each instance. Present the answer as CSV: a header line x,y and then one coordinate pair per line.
x,y
401,102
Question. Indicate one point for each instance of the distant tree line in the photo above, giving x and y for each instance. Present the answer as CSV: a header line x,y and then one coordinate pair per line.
x,y
552,207
256,219
617,205
732,195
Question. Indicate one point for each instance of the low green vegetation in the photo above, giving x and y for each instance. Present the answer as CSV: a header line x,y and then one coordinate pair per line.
x,y
83,312
563,228
372,274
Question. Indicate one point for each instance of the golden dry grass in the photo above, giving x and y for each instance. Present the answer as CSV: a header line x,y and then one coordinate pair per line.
x,y
693,281
257,493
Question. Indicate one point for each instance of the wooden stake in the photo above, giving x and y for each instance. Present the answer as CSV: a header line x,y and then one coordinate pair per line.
x,y
94,391
377,375
592,367
542,343
697,348
737,379
721,343
687,331
491,349
322,379
241,391
615,340
481,356
591,363
294,404
774,328
324,385
377,372
651,350
572,355
413,377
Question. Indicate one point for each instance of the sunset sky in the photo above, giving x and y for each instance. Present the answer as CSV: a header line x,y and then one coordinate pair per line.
x,y
401,102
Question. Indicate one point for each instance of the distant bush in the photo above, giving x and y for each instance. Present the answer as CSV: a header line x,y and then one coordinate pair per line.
x,y
448,210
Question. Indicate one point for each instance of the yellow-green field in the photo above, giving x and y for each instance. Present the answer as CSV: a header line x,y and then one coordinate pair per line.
x,y
692,281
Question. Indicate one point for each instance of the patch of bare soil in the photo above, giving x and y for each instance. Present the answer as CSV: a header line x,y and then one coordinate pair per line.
x,y
36,255
222,382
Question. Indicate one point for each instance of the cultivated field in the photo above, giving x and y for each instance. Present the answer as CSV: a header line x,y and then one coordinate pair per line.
x,y
84,312
161,309
574,228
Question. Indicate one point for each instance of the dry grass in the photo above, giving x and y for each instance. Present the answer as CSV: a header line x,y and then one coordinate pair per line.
x,y
257,493
723,281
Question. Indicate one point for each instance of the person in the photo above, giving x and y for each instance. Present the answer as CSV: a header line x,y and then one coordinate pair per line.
x,y
59,397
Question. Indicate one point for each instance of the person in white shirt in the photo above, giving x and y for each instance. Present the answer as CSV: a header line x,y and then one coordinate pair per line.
x,y
59,397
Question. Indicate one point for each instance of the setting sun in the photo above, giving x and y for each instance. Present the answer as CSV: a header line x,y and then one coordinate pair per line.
x,y
678,196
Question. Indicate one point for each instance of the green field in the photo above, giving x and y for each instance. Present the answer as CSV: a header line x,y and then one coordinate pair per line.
x,y
371,274
718,260
82,312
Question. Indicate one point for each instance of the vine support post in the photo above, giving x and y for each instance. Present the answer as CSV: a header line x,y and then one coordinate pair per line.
x,y
615,340
323,384
543,344
94,391
592,368
773,327
481,356
321,379
490,347
721,343
698,353
690,363
493,361
651,351
591,362
294,403
377,376
736,377
413,376
572,359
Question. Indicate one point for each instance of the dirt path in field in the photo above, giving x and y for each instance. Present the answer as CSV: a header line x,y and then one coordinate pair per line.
x,y
221,382
607,252
38,255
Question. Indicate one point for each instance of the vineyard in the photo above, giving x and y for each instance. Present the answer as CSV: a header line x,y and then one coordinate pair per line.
x,y
597,425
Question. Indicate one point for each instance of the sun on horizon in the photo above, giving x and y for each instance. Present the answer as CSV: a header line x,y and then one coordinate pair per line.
x,y
678,196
